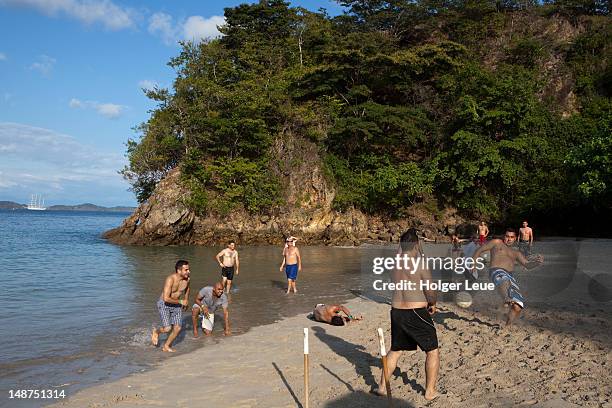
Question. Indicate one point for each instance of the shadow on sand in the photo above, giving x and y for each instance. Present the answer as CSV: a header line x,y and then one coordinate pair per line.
x,y
443,314
362,399
284,380
353,353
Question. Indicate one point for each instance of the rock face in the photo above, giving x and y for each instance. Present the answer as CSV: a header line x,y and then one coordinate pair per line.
x,y
165,220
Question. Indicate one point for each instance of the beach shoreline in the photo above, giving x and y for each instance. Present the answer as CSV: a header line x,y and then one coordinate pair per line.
x,y
531,364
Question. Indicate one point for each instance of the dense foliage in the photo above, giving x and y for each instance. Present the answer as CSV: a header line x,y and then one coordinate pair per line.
x,y
502,109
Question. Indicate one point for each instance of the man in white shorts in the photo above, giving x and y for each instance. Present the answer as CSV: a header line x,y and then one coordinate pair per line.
x,y
206,303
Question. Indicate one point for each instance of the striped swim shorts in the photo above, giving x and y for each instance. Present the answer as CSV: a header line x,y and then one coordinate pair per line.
x,y
169,313
513,293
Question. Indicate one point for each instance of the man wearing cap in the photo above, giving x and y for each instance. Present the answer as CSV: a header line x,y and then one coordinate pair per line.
x,y
292,262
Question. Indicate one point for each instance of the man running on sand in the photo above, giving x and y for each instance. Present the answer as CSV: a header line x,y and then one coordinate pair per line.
x,y
411,323
503,259
483,232
173,299
228,260
206,303
525,239
292,261
331,314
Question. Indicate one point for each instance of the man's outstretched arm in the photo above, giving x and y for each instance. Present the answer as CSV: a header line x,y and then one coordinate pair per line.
x,y
537,261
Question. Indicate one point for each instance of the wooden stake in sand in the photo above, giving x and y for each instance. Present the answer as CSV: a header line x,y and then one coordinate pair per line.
x,y
305,367
383,353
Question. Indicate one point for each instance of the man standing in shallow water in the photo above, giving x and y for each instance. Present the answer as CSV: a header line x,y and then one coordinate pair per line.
x,y
292,261
173,299
230,264
503,259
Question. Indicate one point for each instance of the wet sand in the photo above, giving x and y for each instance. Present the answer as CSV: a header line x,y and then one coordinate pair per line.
x,y
557,355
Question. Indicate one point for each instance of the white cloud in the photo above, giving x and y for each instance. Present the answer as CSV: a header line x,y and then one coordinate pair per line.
x,y
75,103
198,28
161,24
42,161
44,65
3,56
147,84
194,28
105,12
109,110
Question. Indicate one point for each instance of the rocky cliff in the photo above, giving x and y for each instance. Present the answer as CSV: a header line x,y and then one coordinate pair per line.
x,y
307,213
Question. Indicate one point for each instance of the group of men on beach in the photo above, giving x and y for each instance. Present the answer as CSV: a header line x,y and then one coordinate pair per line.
x,y
174,298
412,325
412,311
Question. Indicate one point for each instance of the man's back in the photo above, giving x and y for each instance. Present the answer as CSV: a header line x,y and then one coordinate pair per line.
x,y
409,299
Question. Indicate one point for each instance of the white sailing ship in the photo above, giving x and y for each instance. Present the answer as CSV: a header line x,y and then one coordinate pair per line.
x,y
37,203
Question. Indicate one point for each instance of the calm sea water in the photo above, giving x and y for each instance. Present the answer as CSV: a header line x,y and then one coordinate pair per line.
x,y
78,310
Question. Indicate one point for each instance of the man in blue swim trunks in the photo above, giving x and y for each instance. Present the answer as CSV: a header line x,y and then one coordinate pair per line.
x,y
503,259
292,262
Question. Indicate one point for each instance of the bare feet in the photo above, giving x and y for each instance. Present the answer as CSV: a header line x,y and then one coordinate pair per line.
x,y
168,349
381,392
195,334
430,396
154,337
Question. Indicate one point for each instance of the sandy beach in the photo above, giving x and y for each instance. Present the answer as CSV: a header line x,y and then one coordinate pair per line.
x,y
557,355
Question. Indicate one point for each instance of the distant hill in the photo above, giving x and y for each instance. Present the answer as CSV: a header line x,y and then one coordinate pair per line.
x,y
10,205
89,207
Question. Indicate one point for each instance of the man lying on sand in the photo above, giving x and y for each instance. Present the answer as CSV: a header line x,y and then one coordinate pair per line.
x,y
331,314
173,299
503,259
411,323
206,303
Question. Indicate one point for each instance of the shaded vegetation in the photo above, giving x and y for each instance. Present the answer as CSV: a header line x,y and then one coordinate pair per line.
x,y
407,101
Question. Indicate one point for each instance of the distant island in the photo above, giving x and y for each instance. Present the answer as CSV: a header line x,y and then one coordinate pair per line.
x,y
11,205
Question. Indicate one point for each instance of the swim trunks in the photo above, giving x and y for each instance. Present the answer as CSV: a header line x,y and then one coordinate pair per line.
x,y
170,314
227,272
291,271
411,328
499,276
525,248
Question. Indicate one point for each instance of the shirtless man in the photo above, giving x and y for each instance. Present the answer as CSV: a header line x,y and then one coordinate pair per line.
x,y
483,232
411,323
525,239
228,260
331,314
292,262
503,259
174,297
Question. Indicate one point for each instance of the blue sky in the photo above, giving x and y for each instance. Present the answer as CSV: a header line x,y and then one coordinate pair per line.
x,y
71,79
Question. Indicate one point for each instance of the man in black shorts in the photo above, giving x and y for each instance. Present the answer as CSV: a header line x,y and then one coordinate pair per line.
x,y
229,263
411,323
